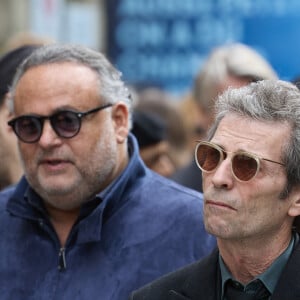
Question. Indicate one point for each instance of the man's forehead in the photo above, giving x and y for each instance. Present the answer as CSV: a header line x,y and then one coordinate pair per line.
x,y
56,85
234,128
61,74
59,65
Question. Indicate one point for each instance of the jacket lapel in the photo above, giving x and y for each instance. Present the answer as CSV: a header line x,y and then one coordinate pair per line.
x,y
288,286
176,296
203,282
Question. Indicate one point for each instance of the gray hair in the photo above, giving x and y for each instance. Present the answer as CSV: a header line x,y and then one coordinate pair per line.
x,y
268,100
111,88
236,60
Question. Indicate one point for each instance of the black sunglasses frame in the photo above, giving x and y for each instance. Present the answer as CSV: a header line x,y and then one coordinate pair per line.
x,y
52,118
223,155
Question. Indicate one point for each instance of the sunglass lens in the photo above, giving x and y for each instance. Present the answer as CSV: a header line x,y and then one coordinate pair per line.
x,y
28,129
244,167
66,123
207,157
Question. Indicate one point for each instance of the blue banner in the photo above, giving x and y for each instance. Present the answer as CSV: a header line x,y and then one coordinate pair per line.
x,y
164,42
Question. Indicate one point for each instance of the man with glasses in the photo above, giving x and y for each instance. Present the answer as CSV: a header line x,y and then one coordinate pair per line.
x,y
88,220
251,179
229,65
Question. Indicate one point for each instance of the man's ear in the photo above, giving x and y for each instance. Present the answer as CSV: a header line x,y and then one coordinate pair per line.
x,y
6,113
120,116
294,196
6,107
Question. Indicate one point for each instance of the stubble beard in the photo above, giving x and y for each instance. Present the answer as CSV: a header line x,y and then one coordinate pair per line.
x,y
90,179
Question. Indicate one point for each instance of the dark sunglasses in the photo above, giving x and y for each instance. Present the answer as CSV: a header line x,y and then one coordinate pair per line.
x,y
65,123
244,165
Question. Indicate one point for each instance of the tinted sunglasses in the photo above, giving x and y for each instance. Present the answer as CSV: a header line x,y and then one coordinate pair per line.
x,y
65,123
244,165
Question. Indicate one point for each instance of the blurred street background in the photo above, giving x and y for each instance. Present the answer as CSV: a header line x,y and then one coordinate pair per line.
x,y
160,43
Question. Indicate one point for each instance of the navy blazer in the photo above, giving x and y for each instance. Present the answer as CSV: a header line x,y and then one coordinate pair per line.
x,y
202,281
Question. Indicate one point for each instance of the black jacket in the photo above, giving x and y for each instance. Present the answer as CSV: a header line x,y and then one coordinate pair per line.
x,y
202,281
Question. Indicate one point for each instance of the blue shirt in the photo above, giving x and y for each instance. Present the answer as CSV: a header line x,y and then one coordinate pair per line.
x,y
139,228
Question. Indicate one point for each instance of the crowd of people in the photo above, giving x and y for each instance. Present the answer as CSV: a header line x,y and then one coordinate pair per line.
x,y
110,192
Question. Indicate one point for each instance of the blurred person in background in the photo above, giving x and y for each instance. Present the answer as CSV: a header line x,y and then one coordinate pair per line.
x,y
232,65
151,133
88,220
156,102
10,167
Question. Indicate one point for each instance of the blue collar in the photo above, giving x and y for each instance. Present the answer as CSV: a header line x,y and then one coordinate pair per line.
x,y
26,203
